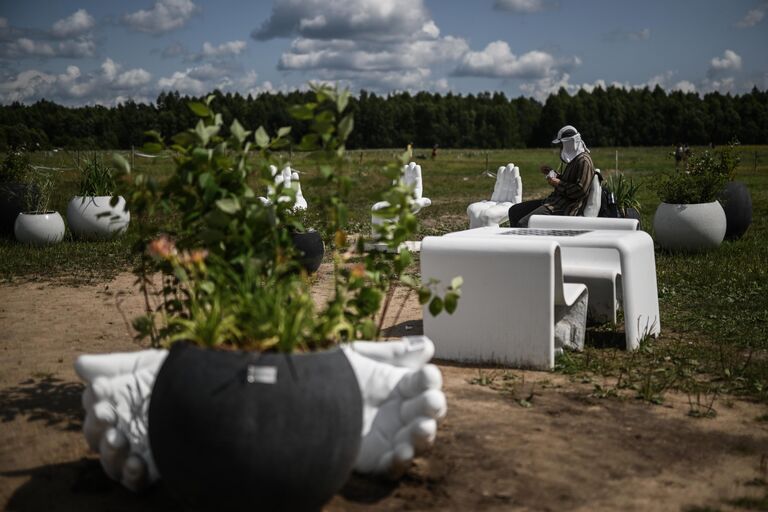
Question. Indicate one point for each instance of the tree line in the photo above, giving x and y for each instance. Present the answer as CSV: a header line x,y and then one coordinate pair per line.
x,y
605,117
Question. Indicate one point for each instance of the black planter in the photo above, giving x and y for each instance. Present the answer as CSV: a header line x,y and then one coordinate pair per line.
x,y
737,203
223,443
14,199
310,244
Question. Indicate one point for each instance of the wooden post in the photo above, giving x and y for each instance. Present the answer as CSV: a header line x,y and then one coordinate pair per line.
x,y
133,158
617,161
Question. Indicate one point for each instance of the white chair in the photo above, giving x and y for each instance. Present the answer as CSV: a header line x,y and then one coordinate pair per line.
x,y
411,176
507,191
594,200
599,269
513,301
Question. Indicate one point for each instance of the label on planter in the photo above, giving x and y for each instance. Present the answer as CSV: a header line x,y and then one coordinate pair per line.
x,y
261,374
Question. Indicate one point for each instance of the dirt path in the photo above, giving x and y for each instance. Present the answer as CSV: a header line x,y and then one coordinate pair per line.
x,y
544,443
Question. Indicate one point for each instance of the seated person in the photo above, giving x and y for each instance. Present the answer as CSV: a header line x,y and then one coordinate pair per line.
x,y
571,188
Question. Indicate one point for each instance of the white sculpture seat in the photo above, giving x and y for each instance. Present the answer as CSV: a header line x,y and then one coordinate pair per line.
x,y
507,191
411,177
513,300
599,269
290,179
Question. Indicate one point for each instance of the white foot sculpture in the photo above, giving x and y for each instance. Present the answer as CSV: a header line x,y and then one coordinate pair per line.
x,y
507,191
402,401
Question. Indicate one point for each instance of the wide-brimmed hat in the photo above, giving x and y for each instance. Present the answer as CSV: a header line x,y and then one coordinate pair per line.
x,y
566,132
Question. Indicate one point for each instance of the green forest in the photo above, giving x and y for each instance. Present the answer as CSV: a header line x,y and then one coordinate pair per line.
x,y
605,117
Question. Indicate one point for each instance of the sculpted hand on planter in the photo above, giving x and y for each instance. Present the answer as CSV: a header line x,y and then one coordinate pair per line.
x,y
401,393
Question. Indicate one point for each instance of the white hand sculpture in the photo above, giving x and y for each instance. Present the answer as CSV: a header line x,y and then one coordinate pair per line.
x,y
301,203
116,401
402,399
508,190
289,179
411,176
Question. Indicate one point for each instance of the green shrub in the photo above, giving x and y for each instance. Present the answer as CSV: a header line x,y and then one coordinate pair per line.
x,y
624,191
703,179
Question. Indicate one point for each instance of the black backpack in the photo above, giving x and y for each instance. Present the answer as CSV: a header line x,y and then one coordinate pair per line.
x,y
608,206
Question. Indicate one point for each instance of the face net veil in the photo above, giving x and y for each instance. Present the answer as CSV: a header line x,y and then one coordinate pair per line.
x,y
573,146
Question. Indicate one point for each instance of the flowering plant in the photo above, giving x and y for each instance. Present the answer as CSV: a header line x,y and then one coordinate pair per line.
x,y
230,270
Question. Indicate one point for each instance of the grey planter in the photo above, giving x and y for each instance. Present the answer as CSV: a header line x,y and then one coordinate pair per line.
x,y
689,227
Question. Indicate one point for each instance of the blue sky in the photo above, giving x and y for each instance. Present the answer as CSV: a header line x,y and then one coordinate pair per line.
x,y
79,52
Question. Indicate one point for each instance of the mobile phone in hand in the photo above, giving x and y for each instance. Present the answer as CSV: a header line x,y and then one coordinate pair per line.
x,y
551,174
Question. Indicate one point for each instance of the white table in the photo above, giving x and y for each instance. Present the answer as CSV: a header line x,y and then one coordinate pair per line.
x,y
636,260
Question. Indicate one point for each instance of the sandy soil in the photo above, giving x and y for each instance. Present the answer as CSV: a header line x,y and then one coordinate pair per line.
x,y
542,443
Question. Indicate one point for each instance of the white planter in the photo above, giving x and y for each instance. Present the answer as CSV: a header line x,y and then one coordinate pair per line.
x,y
92,217
689,227
39,228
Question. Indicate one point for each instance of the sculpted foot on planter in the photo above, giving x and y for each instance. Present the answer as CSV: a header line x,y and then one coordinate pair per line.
x,y
401,393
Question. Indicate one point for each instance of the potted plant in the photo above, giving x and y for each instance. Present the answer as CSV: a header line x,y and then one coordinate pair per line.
x,y
690,218
253,405
624,191
16,188
94,213
39,225
735,197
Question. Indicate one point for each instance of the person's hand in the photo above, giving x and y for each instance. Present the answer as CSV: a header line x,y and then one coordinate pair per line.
x,y
116,403
553,181
402,401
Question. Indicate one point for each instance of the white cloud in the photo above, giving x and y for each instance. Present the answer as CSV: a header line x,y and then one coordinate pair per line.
x,y
165,15
76,24
223,50
524,6
730,62
345,55
722,85
182,82
73,86
377,20
752,18
375,44
684,86
498,61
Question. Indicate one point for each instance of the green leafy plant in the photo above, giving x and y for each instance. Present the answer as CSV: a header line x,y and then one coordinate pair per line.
x,y
231,272
15,168
96,178
701,181
624,191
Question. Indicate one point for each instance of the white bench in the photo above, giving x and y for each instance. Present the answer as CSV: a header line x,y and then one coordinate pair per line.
x,y
599,269
511,300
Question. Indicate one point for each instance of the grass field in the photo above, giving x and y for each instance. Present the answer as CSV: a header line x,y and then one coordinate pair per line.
x,y
714,305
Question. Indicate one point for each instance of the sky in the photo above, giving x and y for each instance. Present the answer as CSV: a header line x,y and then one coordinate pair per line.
x,y
83,52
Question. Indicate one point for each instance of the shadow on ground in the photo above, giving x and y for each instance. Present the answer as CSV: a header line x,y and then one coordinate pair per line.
x,y
48,399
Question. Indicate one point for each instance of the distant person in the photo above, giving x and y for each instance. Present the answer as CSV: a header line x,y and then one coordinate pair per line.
x,y
678,155
409,150
434,151
570,189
